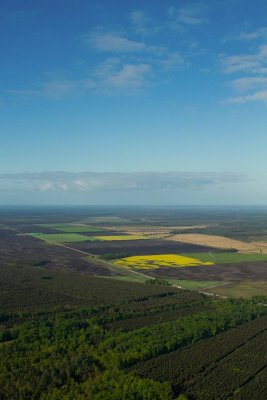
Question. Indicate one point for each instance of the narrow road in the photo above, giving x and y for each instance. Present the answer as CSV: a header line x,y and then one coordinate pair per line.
x,y
103,262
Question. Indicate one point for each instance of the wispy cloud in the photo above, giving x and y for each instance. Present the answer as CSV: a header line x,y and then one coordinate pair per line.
x,y
141,23
253,85
113,43
260,95
55,89
121,61
250,82
252,63
92,181
173,60
260,33
112,74
115,74
188,16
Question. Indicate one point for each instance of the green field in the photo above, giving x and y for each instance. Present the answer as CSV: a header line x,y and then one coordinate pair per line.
x,y
122,237
227,257
62,237
244,290
71,228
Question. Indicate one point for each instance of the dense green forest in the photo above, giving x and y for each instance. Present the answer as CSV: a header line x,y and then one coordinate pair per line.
x,y
120,340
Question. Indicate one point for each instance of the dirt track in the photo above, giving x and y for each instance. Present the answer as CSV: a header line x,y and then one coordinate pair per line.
x,y
220,242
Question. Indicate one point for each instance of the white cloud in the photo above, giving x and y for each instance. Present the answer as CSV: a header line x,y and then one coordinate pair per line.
x,y
140,22
252,63
173,60
244,84
93,182
257,96
253,88
113,43
55,89
260,33
113,74
188,16
117,60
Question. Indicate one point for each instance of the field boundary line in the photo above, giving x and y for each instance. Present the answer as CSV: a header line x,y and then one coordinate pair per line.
x,y
103,262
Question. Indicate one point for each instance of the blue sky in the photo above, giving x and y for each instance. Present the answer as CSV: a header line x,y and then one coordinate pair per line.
x,y
133,102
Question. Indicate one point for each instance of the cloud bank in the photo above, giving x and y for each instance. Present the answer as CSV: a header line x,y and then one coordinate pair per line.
x,y
113,181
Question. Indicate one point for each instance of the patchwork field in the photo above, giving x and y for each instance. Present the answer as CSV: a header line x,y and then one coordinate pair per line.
x,y
76,237
150,262
25,250
232,272
154,230
121,249
62,237
111,238
241,289
161,260
71,228
228,257
221,242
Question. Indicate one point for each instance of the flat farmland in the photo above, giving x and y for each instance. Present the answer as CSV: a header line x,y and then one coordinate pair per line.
x,y
62,237
156,261
117,249
228,257
76,237
221,242
72,228
232,272
25,250
241,289
111,238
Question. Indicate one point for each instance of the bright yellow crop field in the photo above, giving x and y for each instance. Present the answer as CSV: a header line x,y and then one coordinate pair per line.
x,y
157,261
122,237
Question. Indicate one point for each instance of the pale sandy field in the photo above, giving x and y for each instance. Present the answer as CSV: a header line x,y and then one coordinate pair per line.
x,y
220,242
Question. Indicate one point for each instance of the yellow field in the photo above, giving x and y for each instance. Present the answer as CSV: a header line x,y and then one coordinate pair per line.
x,y
122,237
157,261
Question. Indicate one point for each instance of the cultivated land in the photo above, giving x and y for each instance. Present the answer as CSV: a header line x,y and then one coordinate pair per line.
x,y
161,260
122,237
83,317
72,228
100,244
221,242
61,237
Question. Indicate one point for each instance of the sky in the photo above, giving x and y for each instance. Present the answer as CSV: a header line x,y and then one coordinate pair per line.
x,y
133,102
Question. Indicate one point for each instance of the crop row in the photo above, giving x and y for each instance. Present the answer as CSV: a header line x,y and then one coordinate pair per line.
x,y
183,364
151,318
255,388
229,374
164,299
128,348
